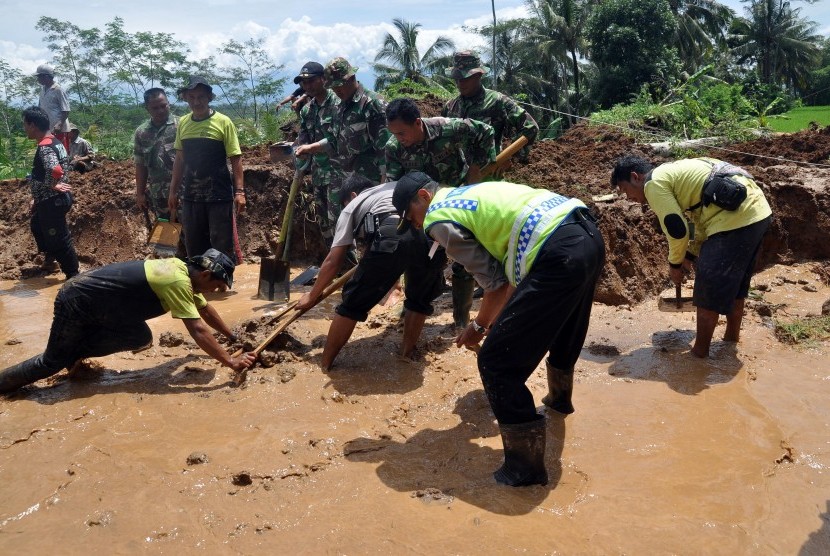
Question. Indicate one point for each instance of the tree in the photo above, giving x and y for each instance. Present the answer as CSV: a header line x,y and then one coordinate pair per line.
x,y
632,45
252,81
783,45
404,60
701,26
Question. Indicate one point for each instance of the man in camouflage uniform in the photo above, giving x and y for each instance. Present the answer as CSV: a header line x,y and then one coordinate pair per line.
x,y
154,154
316,121
451,151
491,107
360,132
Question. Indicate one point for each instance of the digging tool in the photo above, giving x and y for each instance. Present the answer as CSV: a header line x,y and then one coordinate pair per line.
x,y
239,377
164,238
274,273
504,156
676,304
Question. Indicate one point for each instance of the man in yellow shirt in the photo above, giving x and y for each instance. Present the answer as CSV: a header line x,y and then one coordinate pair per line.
x,y
724,238
103,311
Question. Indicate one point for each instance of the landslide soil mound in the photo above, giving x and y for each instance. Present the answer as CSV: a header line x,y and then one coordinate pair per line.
x,y
108,227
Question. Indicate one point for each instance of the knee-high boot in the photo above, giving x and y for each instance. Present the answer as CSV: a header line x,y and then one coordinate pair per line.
x,y
23,373
462,299
560,388
524,454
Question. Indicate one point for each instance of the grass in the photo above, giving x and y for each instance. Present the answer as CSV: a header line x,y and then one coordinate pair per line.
x,y
803,331
800,118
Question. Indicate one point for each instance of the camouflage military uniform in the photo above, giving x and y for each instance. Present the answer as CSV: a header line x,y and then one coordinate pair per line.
x,y
443,153
154,150
498,110
360,133
316,121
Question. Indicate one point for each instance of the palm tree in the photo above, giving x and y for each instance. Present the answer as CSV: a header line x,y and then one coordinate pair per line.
x,y
701,25
783,45
403,59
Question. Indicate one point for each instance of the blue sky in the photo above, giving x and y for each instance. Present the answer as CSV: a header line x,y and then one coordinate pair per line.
x,y
295,31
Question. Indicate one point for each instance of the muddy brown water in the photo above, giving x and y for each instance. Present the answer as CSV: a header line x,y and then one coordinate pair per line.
x,y
665,454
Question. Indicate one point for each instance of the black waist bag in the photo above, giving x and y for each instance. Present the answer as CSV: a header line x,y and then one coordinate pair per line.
x,y
722,189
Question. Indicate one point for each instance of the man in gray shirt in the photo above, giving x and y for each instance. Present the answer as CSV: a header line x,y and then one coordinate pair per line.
x,y
53,101
371,219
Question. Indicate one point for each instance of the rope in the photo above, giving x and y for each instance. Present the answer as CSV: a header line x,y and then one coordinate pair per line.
x,y
670,139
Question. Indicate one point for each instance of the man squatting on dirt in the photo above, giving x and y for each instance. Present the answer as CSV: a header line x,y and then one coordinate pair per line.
x,y
370,217
102,312
726,240
538,256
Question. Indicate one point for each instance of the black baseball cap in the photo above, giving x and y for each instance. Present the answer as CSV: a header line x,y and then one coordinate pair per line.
x,y
219,264
406,188
310,69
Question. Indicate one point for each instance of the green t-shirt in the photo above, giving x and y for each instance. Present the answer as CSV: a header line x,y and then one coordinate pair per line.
x,y
170,281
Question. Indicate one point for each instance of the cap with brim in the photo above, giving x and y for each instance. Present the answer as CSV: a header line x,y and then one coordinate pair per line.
x,y
45,69
405,190
338,71
219,264
465,64
311,69
195,81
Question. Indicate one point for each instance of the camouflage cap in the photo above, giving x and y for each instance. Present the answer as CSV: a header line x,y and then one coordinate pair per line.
x,y
338,71
465,63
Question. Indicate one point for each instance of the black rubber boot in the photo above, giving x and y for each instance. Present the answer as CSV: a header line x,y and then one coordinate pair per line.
x,y
560,388
22,374
462,299
524,454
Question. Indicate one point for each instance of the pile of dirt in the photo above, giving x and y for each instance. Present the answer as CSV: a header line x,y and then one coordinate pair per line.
x,y
107,226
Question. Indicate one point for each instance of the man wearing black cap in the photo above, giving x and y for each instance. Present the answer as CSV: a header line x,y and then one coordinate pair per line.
x,y
205,141
370,218
103,311
538,256
316,121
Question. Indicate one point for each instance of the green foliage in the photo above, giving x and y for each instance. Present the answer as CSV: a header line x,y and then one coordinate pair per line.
x,y
412,89
803,331
15,157
801,118
403,61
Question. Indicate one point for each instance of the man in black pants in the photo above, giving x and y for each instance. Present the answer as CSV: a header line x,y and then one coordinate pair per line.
x,y
103,311
51,193
371,218
538,256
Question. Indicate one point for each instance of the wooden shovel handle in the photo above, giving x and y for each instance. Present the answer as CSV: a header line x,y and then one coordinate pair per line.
x,y
504,155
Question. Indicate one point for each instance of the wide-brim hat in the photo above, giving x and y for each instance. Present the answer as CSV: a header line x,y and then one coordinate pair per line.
x,y
466,64
338,71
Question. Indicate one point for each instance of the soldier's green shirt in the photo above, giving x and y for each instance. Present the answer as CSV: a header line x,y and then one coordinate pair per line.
x,y
443,154
316,123
153,148
360,135
499,111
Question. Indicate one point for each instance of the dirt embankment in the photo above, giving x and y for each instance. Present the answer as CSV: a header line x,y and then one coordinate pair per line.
x,y
108,227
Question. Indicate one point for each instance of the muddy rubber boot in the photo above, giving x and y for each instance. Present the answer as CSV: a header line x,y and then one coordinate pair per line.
x,y
462,300
22,374
560,388
524,454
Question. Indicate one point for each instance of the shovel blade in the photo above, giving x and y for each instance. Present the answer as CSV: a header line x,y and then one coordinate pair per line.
x,y
675,305
274,279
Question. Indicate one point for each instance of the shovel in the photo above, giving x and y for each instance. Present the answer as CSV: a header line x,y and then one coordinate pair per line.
x,y
676,304
274,274
504,155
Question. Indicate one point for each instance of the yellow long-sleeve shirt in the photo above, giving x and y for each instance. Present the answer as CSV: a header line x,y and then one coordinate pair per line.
x,y
676,186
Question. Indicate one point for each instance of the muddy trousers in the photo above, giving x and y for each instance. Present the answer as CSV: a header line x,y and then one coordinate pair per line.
x,y
208,225
75,334
48,225
548,313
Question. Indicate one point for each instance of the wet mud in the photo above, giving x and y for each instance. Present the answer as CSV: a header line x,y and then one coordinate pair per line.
x,y
159,450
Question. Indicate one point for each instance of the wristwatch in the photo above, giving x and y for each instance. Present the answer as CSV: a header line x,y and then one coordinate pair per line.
x,y
477,327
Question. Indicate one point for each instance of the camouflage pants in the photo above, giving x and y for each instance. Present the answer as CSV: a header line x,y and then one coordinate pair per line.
x,y
157,196
328,205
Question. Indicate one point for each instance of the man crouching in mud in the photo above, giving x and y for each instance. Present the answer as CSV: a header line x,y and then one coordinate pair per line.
x,y
103,311
538,256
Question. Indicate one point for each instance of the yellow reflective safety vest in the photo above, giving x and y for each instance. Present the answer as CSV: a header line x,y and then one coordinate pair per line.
x,y
511,221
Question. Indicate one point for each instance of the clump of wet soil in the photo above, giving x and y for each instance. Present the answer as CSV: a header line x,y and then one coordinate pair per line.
x,y
107,227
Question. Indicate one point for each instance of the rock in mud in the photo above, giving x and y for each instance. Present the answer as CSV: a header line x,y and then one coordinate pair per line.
x,y
85,370
170,339
825,308
267,359
197,458
243,478
13,342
